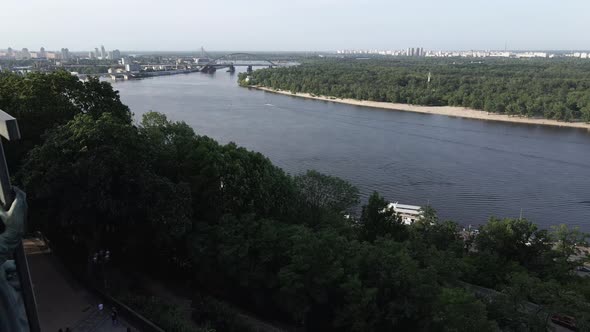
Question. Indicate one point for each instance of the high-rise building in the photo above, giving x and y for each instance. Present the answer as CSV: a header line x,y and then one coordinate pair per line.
x,y
25,54
65,54
96,53
103,53
116,54
415,51
42,53
91,55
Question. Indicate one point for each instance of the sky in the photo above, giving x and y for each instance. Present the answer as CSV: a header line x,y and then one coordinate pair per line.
x,y
295,25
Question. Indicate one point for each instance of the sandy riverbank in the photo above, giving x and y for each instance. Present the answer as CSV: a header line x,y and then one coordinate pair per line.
x,y
441,110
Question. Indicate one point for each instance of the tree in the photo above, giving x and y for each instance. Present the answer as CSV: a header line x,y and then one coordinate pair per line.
x,y
378,220
251,252
180,155
428,215
326,192
92,179
405,289
457,310
555,89
312,281
514,239
323,199
252,184
42,101
568,241
585,111
429,231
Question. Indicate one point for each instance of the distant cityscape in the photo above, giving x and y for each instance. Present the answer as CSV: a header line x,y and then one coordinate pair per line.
x,y
63,54
420,52
114,65
103,54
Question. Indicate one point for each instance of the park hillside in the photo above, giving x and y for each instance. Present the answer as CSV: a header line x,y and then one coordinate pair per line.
x,y
557,89
238,234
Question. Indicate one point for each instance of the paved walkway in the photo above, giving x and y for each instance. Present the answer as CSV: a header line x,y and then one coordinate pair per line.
x,y
61,301
100,321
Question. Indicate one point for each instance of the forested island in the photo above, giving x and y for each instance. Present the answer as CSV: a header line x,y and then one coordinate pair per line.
x,y
557,89
237,232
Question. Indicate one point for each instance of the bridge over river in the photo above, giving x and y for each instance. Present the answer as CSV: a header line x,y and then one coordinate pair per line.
x,y
233,60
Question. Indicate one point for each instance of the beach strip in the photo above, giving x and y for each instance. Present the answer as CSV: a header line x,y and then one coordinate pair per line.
x,y
453,111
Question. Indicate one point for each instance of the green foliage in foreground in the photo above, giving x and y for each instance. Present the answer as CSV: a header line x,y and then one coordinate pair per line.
x,y
167,316
553,89
219,315
230,223
42,101
208,314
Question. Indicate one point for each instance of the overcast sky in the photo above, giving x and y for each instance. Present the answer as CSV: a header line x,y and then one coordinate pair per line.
x,y
295,25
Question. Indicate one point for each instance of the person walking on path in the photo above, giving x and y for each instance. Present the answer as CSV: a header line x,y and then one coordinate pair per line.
x,y
114,315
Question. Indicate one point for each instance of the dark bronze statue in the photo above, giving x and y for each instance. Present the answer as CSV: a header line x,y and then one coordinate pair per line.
x,y
13,317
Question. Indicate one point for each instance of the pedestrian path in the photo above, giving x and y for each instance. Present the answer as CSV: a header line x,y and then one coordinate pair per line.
x,y
99,321
90,322
62,302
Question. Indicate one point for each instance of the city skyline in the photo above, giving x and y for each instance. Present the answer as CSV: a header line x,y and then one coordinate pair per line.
x,y
103,54
61,54
320,25
343,50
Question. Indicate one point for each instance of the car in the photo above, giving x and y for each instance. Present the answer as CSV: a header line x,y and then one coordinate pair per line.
x,y
583,269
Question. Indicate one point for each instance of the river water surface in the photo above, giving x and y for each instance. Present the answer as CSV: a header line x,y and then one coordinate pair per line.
x,y
468,170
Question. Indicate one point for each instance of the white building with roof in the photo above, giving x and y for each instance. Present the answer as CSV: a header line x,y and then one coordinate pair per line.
x,y
409,213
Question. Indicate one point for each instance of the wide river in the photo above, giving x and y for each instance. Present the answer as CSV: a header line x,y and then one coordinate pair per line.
x,y
468,170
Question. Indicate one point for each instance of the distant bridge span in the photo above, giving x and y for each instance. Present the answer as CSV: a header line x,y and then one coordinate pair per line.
x,y
228,61
255,56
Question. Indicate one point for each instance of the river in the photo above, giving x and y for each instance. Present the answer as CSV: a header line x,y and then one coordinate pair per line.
x,y
468,170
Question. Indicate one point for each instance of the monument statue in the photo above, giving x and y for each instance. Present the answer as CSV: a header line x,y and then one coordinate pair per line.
x,y
13,316
18,307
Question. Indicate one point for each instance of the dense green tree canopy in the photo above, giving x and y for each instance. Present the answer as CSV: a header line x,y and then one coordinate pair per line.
x,y
516,239
325,192
378,220
553,89
227,222
41,102
92,178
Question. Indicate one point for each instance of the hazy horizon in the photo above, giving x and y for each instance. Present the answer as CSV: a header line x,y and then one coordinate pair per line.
x,y
306,25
